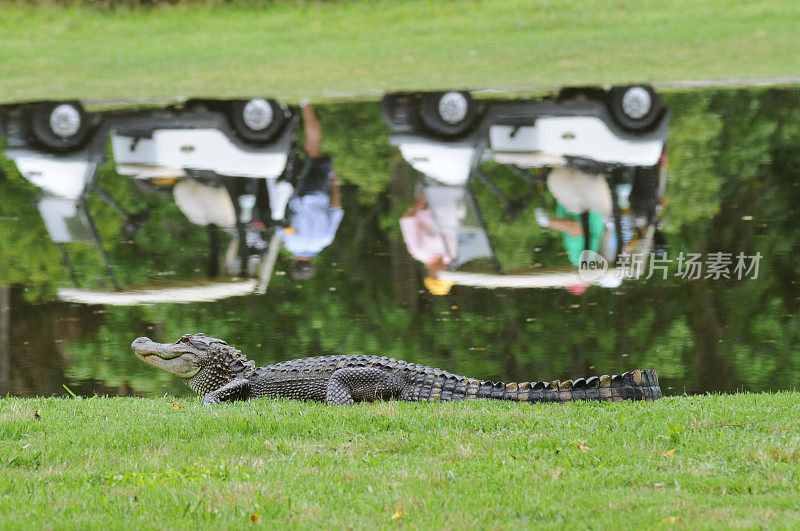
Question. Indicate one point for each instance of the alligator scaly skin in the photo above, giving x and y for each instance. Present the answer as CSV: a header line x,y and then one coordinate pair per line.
x,y
226,375
374,377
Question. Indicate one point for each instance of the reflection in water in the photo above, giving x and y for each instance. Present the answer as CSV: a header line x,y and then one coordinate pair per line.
x,y
442,230
600,154
316,206
215,201
229,165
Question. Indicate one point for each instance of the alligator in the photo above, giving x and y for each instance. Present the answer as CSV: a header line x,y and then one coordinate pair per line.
x,y
221,373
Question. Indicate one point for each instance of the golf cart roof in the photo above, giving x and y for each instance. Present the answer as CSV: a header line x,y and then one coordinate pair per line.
x,y
546,279
184,293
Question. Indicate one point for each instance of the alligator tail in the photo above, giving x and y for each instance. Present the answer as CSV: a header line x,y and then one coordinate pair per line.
x,y
633,385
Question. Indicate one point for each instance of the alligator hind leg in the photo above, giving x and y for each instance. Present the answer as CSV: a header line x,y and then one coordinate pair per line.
x,y
362,384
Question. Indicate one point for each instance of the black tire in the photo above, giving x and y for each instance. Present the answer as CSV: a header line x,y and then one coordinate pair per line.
x,y
634,121
236,115
44,133
433,120
400,112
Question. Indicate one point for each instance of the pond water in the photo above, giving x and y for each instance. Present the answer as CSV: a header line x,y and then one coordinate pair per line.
x,y
424,240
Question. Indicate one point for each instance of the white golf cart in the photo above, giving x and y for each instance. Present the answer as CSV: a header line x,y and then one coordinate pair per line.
x,y
58,146
618,134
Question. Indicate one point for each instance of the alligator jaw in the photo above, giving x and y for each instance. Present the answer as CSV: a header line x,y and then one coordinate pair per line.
x,y
144,346
176,358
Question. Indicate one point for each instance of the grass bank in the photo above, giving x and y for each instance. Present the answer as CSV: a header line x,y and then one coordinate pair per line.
x,y
163,463
306,49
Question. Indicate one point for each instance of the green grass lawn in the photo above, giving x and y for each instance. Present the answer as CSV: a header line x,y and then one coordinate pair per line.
x,y
294,50
705,461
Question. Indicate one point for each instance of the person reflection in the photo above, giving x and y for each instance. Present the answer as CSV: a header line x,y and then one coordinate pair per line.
x,y
583,205
426,243
315,210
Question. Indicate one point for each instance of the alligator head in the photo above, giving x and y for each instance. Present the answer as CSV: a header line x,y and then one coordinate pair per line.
x,y
205,363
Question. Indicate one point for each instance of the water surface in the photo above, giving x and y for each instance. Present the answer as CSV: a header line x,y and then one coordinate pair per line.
x,y
732,187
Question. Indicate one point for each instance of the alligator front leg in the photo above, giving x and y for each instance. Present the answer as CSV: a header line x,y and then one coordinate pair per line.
x,y
237,389
358,384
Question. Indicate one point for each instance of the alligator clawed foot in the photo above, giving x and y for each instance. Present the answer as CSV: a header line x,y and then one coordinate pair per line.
x,y
211,400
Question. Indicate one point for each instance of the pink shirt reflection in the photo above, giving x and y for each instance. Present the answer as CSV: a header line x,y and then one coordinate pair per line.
x,y
424,240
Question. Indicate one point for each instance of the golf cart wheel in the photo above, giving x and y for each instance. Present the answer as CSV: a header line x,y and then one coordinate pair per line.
x,y
400,112
256,120
59,125
447,114
635,108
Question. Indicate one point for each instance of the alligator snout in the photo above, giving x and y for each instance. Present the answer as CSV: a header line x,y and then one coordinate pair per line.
x,y
179,358
140,342
143,346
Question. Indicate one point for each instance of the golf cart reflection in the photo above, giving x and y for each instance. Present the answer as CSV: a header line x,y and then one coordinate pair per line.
x,y
601,154
238,148
242,146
